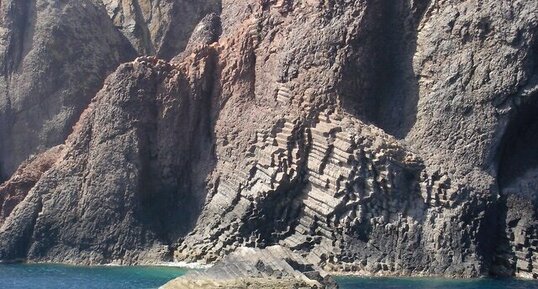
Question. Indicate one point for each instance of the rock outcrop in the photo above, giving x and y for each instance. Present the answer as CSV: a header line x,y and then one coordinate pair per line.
x,y
162,27
54,58
270,268
365,137
24,179
56,55
136,144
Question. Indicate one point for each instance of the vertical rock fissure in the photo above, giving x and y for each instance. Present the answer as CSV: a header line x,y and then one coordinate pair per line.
x,y
200,149
172,203
20,24
18,20
147,45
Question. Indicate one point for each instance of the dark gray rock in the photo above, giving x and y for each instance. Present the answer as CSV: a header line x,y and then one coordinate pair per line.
x,y
271,268
24,179
54,57
120,191
161,28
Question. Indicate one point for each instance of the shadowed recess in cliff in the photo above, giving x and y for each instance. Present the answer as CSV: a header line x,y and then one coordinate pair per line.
x,y
379,84
141,31
21,17
519,158
517,179
173,189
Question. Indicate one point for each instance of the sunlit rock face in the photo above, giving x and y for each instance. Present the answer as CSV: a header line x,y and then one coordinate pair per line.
x,y
55,56
371,137
159,27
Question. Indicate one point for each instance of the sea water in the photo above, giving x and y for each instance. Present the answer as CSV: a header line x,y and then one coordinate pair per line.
x,y
23,276
427,283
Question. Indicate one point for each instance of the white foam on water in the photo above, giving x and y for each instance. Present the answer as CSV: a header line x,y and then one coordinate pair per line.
x,y
185,265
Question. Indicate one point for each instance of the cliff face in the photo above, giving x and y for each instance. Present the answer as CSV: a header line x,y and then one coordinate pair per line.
x,y
159,27
134,144
364,136
55,56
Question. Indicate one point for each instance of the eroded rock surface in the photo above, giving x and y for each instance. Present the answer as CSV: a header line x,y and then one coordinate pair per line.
x,y
54,57
159,27
270,268
124,147
367,137
24,179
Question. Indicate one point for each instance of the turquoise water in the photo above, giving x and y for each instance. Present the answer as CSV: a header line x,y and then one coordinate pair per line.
x,y
68,277
415,283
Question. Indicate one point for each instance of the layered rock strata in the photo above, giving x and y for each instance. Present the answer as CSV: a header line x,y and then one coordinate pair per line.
x,y
272,267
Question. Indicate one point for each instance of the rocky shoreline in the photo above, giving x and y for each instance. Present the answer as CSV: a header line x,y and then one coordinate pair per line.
x,y
272,267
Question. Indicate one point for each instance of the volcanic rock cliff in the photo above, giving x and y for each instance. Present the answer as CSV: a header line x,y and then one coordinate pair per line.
x,y
359,136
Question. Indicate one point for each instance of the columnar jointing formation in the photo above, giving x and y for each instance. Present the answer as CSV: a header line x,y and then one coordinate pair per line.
x,y
281,140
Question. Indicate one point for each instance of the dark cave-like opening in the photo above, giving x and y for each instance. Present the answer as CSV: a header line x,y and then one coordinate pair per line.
x,y
515,165
518,159
517,180
379,84
517,154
